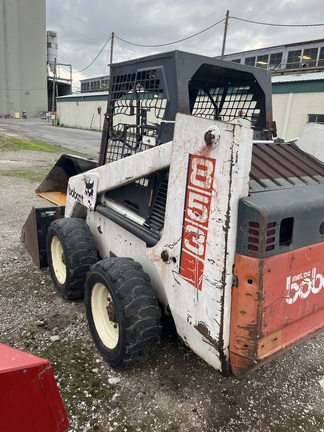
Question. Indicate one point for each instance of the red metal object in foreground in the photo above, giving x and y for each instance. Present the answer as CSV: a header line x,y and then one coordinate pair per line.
x,y
29,397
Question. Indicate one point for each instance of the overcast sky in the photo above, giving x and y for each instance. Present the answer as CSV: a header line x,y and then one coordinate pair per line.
x,y
84,26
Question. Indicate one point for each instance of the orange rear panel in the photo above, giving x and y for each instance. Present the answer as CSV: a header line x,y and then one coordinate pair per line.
x,y
278,302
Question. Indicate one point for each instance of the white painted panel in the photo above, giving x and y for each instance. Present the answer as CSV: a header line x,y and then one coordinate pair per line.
x,y
197,275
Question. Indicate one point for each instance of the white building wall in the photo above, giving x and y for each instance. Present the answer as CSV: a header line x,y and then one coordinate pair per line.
x,y
23,83
83,114
290,112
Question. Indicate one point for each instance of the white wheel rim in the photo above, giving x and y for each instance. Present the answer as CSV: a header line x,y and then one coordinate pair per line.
x,y
58,263
107,329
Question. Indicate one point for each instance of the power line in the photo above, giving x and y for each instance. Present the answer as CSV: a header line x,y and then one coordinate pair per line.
x,y
276,25
170,43
197,34
122,51
149,46
82,70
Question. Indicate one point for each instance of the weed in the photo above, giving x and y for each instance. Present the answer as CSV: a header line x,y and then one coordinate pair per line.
x,y
14,144
82,390
28,175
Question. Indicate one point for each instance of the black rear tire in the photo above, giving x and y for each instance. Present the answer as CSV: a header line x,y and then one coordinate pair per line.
x,y
123,312
71,252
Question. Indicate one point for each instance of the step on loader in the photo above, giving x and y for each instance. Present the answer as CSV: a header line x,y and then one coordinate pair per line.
x,y
193,210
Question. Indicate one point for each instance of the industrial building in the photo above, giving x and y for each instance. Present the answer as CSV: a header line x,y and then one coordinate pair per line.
x,y
33,81
59,75
95,84
82,110
23,77
297,74
279,58
297,99
30,74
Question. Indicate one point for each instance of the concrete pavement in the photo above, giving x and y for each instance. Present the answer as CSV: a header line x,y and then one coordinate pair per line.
x,y
83,141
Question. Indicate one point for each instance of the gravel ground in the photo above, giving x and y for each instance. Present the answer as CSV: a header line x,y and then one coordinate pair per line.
x,y
174,390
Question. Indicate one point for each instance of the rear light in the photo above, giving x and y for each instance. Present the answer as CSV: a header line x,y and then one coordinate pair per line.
x,y
270,239
254,234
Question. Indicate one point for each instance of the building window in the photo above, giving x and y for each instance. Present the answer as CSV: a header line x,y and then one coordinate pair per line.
x,y
315,118
309,57
104,84
236,61
95,85
52,45
250,61
262,61
275,60
293,59
85,86
321,57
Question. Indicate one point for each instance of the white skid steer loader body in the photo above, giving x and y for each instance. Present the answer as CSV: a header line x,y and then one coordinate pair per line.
x,y
191,266
199,236
83,188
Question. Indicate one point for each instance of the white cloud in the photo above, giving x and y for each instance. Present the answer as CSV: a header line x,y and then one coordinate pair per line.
x,y
83,27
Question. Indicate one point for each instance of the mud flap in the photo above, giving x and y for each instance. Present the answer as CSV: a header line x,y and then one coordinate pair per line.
x,y
34,232
53,188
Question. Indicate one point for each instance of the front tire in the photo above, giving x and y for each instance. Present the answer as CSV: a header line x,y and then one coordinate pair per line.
x,y
71,252
122,311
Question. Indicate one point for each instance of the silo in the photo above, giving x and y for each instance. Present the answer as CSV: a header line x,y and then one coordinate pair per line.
x,y
52,49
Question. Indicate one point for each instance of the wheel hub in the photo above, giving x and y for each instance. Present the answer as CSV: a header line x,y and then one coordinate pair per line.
x,y
111,311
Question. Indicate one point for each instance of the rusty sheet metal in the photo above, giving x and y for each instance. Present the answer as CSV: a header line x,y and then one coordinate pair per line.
x,y
278,166
277,303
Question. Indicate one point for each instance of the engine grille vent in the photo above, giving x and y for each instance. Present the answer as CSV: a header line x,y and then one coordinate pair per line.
x,y
156,218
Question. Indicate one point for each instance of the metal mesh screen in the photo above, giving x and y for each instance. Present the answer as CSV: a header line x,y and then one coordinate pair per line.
x,y
137,106
227,103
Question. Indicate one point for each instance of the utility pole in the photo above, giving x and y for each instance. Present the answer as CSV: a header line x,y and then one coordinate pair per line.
x,y
53,93
225,33
54,85
112,47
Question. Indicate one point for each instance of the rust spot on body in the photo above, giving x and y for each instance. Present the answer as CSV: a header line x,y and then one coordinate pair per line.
x,y
204,331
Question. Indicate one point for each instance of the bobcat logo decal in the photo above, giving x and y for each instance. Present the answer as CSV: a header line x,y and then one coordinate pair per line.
x,y
89,188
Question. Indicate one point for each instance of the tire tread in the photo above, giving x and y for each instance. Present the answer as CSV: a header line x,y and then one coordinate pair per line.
x,y
141,313
81,254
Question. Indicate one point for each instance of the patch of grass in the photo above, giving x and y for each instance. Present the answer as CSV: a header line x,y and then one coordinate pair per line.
x,y
28,175
14,144
91,400
82,390
319,419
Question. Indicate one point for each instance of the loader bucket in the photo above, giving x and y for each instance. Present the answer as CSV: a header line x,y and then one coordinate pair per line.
x,y
53,188
34,232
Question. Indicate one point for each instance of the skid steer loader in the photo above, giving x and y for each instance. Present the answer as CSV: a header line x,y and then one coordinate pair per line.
x,y
192,210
